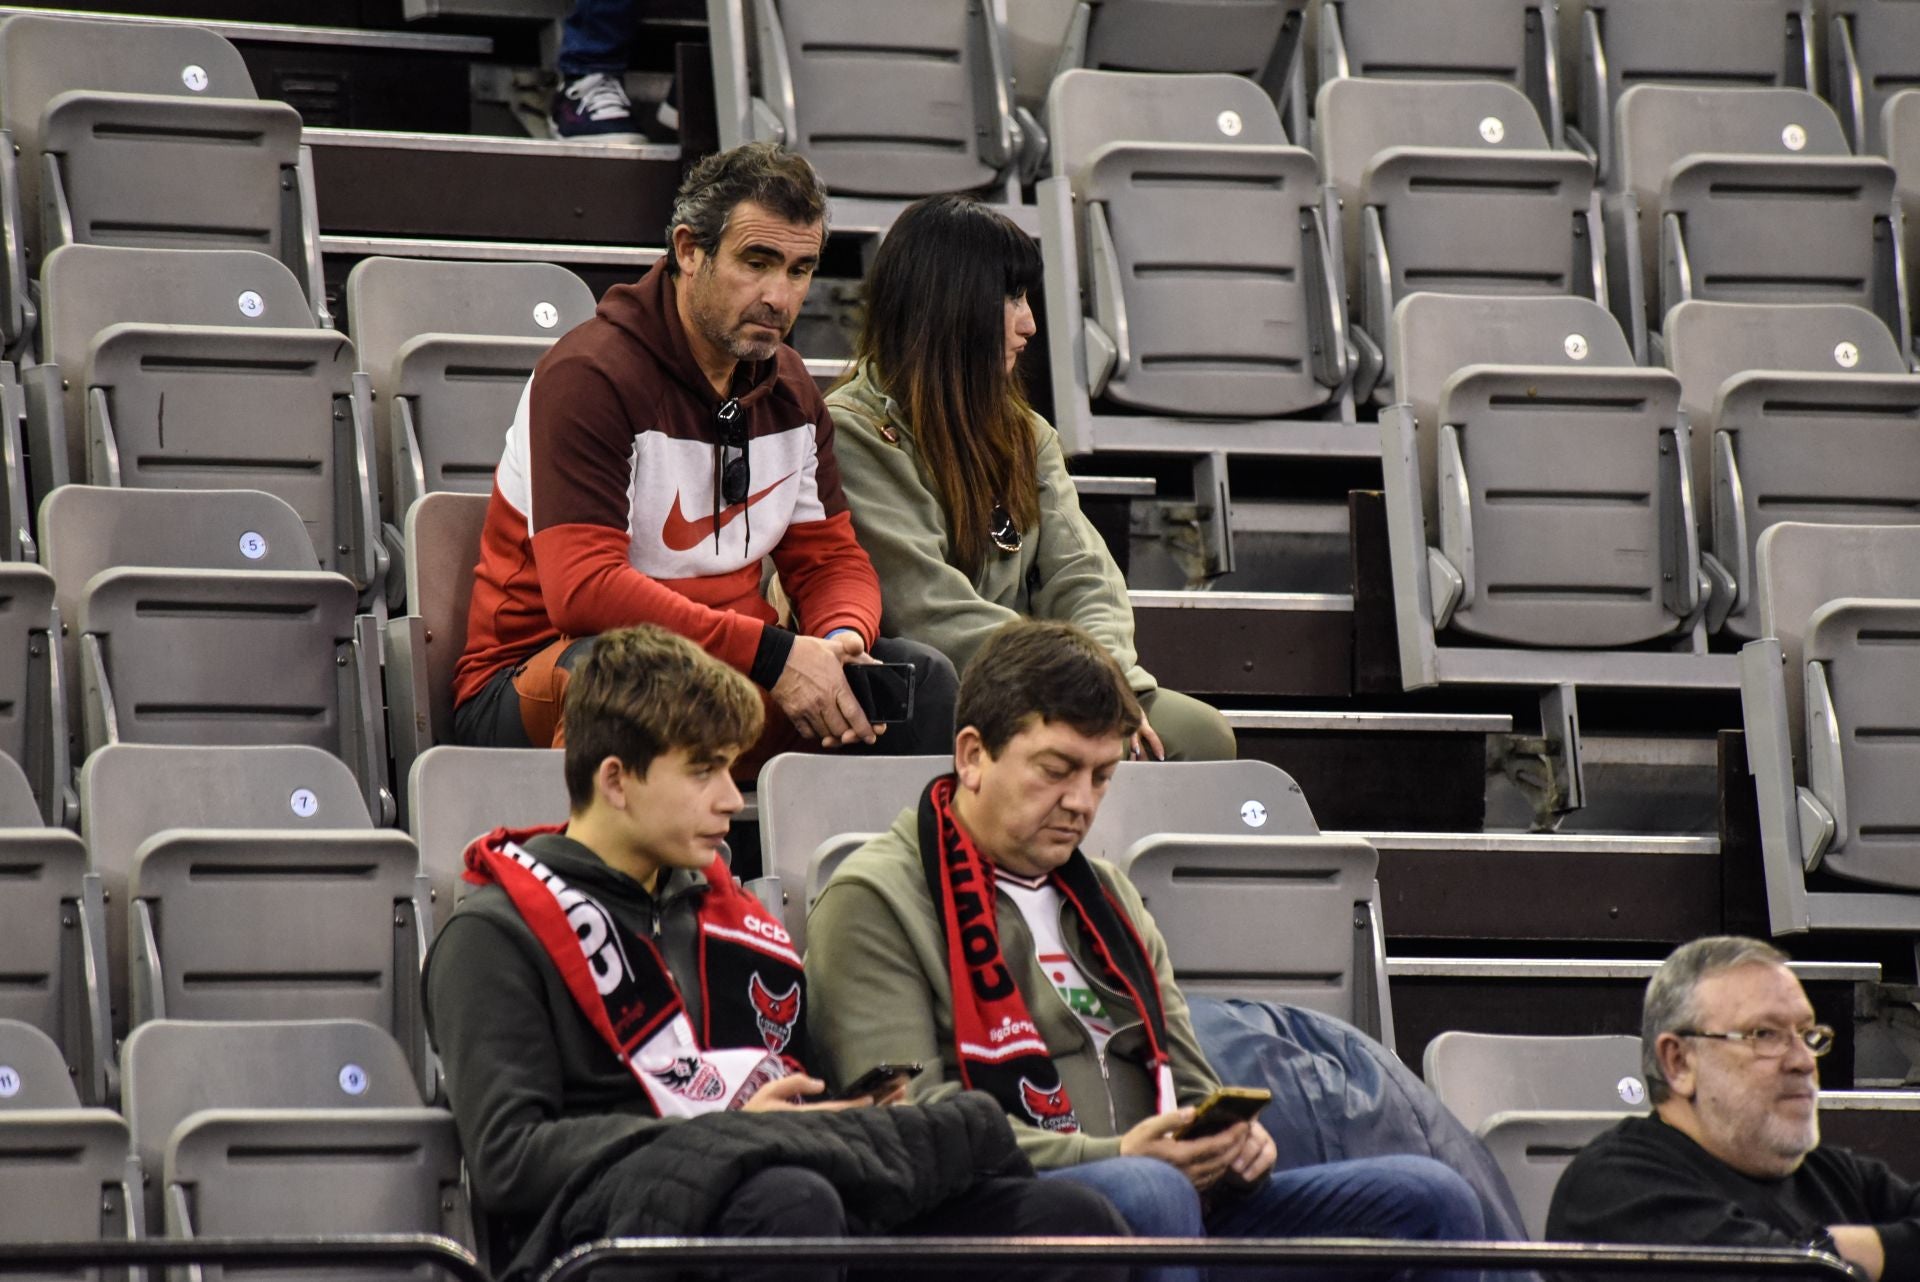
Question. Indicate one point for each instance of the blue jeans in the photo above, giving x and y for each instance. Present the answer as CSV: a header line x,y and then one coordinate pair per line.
x,y
1410,1198
597,36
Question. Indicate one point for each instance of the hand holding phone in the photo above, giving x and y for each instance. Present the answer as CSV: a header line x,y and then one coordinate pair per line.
x,y
1225,1108
884,691
880,1081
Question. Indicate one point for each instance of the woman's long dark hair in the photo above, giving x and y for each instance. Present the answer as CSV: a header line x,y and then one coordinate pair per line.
x,y
935,337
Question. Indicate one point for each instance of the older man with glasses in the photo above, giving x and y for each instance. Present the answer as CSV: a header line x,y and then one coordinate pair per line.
x,y
1731,1154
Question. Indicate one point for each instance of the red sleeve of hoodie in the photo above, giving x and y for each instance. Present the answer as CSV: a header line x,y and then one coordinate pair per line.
x,y
823,568
581,459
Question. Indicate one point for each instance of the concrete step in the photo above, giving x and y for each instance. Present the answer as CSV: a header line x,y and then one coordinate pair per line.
x,y
1238,644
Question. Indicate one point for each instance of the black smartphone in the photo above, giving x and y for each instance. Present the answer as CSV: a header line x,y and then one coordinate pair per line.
x,y
1226,1107
878,1080
884,691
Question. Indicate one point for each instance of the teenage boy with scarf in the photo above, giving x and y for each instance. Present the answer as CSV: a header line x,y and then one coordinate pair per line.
x,y
622,1026
975,937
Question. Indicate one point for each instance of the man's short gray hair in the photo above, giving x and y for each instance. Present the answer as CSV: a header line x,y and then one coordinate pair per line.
x,y
1669,1004
778,180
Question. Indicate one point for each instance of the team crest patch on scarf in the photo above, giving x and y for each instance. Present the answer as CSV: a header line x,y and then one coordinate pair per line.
x,y
774,1015
1050,1110
691,1077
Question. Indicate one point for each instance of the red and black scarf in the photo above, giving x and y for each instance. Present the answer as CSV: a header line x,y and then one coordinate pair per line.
x,y
999,1046
751,983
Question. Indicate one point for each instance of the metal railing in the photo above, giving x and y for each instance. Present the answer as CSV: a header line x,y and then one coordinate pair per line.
x,y
394,1251
1319,1253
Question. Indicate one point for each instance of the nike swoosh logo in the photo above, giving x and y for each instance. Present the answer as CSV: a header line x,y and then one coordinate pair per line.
x,y
681,535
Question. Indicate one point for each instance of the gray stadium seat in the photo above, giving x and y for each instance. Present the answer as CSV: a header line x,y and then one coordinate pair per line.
x,y
132,134
1267,918
63,1168
1452,187
32,688
263,923
1799,413
285,661
53,951
1533,1150
806,799
456,794
1507,40
249,1129
129,792
450,347
1900,141
1533,442
1188,272
85,529
171,363
1260,40
1477,1075
1746,196
887,98
1873,52
302,1172
1829,714
1617,44
421,648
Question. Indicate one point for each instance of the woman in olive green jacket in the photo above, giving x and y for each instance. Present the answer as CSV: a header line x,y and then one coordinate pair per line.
x,y
959,491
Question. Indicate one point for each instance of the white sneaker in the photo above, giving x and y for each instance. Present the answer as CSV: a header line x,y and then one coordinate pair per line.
x,y
593,108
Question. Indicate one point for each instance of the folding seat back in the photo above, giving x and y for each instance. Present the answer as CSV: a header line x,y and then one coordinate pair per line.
x,y
1841,602
258,923
1477,1075
1506,40
808,801
43,58
1723,43
1873,52
894,98
32,701
1451,187
130,792
1750,195
450,347
1533,1150
1256,40
277,659
1862,675
1284,919
63,1168
243,1172
1900,142
457,794
1813,417
173,361
1208,281
52,952
85,529
442,549
1539,442
177,1069
34,1075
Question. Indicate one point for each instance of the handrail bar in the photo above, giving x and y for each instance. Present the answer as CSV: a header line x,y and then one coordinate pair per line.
x,y
1342,1253
402,1250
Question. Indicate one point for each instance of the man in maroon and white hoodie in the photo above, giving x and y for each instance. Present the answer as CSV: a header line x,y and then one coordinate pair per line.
x,y
660,454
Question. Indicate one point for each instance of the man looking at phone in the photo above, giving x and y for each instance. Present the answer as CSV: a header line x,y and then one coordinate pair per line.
x,y
662,452
622,1026
974,936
